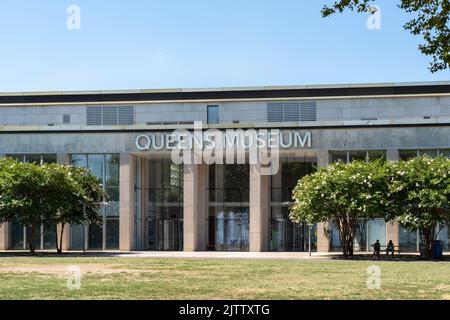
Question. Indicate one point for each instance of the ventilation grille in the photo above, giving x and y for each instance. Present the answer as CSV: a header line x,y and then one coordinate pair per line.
x,y
110,115
291,112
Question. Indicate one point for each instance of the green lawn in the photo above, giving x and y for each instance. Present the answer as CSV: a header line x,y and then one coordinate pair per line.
x,y
148,278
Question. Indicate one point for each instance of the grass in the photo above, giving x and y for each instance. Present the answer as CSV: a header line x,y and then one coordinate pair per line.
x,y
155,278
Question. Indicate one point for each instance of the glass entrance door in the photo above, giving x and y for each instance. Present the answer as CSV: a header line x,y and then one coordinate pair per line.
x,y
164,235
228,218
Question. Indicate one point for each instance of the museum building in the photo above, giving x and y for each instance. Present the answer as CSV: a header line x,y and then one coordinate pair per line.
x,y
127,139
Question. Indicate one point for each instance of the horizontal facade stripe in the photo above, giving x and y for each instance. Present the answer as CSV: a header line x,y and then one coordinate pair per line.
x,y
227,95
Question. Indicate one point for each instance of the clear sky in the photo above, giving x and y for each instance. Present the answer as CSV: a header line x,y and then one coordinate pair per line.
x,y
201,43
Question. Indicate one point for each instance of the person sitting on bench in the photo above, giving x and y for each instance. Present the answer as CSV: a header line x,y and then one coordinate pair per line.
x,y
377,248
390,248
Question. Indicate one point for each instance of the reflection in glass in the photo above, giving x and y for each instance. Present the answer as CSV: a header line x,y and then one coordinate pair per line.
x,y
95,237
228,219
407,239
76,237
407,154
284,234
112,231
106,168
164,206
16,236
376,230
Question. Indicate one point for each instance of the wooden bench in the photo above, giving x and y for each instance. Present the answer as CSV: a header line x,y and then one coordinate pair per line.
x,y
383,249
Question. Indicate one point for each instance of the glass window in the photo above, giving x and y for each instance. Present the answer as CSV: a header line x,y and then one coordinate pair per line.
x,y
49,237
17,157
164,212
377,155
106,167
33,158
444,153
112,234
76,237
112,170
79,160
228,210
112,208
337,156
16,236
407,239
432,153
407,154
357,155
376,230
444,236
213,114
49,158
95,238
96,164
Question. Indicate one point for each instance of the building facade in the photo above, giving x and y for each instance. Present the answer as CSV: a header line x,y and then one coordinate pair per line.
x,y
126,139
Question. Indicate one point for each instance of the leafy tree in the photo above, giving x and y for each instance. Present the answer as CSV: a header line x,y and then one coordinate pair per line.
x,y
78,200
24,188
431,21
420,196
343,193
49,194
9,204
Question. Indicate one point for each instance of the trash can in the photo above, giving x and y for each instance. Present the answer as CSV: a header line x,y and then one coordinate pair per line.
x,y
436,249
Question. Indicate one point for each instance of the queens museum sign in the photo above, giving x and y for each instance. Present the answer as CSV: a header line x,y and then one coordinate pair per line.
x,y
231,139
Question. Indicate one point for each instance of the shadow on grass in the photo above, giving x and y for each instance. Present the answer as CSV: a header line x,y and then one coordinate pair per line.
x,y
71,254
395,258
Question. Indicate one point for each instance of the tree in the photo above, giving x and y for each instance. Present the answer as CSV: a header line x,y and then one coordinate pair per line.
x,y
431,21
343,193
49,194
420,196
8,206
85,196
23,188
78,200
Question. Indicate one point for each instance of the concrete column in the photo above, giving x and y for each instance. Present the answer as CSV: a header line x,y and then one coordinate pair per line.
x,y
259,210
392,155
4,236
195,213
127,199
323,243
323,158
66,237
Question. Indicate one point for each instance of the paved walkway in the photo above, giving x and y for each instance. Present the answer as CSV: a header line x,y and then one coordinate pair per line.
x,y
227,255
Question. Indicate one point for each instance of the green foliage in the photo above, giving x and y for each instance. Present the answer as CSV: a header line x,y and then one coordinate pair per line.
x,y
50,194
431,21
344,193
415,193
420,195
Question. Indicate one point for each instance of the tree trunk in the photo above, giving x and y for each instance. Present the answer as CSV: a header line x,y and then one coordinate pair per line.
x,y
346,234
428,238
31,237
60,238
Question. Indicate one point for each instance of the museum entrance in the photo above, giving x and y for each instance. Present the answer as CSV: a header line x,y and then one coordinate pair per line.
x,y
285,235
159,205
228,207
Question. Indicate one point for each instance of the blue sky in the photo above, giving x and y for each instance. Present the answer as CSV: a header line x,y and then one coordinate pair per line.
x,y
201,43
